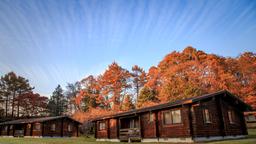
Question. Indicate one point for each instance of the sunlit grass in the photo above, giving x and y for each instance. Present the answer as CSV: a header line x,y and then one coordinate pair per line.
x,y
251,139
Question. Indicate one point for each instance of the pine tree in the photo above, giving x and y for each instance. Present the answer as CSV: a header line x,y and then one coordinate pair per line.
x,y
139,79
58,103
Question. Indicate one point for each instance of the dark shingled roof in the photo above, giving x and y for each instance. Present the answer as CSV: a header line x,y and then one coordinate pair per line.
x,y
173,104
35,120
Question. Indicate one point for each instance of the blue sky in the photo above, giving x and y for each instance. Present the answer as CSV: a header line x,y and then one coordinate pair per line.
x,y
57,41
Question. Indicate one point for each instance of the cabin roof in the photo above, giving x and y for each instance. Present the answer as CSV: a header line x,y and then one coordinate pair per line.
x,y
35,120
175,103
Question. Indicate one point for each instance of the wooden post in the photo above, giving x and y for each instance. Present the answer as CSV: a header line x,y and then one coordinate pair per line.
x,y
108,128
25,129
117,128
221,116
190,121
77,130
61,129
141,128
8,130
42,128
156,124
13,130
31,129
95,131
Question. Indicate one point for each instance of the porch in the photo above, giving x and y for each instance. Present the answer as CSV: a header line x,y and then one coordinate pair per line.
x,y
129,129
19,130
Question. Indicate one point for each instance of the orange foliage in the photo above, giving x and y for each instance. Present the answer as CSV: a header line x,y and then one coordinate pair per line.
x,y
179,75
91,114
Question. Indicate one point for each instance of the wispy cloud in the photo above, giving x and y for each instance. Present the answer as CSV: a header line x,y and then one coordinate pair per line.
x,y
54,41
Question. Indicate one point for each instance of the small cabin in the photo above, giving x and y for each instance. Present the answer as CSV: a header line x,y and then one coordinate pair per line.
x,y
58,126
250,118
214,116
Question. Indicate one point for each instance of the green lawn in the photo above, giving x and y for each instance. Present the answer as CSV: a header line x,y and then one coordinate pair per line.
x,y
83,140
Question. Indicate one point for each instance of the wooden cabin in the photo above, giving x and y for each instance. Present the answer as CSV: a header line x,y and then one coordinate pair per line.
x,y
250,118
214,116
58,126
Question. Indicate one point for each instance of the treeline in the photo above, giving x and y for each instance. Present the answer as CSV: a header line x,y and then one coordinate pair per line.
x,y
17,99
179,75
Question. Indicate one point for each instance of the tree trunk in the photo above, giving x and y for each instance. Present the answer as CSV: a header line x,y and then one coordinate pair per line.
x,y
18,111
6,106
13,100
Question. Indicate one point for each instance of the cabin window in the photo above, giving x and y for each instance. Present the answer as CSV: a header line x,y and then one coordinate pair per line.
x,y
172,117
176,116
206,116
102,125
151,117
37,126
29,126
69,127
53,127
6,128
231,116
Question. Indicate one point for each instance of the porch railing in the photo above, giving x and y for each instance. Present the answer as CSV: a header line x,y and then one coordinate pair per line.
x,y
19,133
129,133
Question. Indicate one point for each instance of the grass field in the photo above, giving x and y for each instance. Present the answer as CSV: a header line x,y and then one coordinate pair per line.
x,y
251,139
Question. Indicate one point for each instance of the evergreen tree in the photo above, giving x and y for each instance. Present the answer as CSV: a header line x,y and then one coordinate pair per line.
x,y
58,102
146,96
139,79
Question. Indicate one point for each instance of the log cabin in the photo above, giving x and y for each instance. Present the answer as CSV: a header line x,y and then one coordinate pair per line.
x,y
57,126
250,118
214,116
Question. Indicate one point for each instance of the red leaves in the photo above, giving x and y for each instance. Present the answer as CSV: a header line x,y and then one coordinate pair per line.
x,y
179,75
32,104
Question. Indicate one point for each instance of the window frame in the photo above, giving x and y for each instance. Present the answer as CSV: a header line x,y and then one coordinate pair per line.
x,y
6,128
231,117
70,127
171,112
101,124
151,117
53,127
207,116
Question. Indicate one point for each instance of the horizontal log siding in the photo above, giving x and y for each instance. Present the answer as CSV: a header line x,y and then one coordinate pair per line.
x,y
237,127
73,132
202,129
147,126
175,130
47,128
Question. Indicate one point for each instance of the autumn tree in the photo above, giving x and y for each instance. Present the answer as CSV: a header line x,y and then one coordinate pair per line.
x,y
89,94
115,83
72,90
32,104
58,103
127,103
139,79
